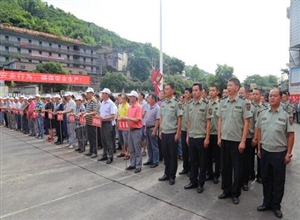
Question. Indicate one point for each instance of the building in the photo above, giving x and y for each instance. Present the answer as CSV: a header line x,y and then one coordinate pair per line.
x,y
293,14
22,49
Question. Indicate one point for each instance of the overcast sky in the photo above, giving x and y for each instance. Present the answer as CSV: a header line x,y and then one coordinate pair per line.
x,y
250,35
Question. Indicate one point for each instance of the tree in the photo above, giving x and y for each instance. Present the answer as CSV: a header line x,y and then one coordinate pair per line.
x,y
175,66
116,82
52,67
195,74
140,68
223,74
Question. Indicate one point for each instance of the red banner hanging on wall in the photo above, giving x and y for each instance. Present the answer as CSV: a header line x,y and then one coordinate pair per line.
x,y
7,75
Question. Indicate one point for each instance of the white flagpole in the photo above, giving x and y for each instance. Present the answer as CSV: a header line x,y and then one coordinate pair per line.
x,y
160,47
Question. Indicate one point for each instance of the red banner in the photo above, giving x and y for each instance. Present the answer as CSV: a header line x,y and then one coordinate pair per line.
x,y
96,121
294,97
71,118
50,116
82,120
123,125
44,78
60,117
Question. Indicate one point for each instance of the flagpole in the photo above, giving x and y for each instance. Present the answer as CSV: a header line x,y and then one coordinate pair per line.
x,y
160,48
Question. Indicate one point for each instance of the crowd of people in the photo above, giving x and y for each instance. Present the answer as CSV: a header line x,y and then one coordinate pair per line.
x,y
237,134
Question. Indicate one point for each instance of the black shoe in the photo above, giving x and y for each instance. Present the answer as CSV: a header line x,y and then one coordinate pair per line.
x,y
94,156
209,178
88,154
199,189
80,151
77,149
277,213
137,170
147,163
223,196
183,172
130,168
235,200
171,181
216,180
190,186
102,159
154,165
109,160
259,180
245,187
263,208
164,178
58,143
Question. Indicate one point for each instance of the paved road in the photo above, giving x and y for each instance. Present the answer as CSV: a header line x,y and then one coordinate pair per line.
x,y
44,181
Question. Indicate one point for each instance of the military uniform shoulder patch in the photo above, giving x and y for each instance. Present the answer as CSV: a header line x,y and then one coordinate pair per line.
x,y
291,120
180,105
225,97
210,111
248,106
241,97
285,109
206,102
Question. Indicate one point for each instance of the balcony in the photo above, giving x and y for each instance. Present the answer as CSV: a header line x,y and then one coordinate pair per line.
x,y
47,49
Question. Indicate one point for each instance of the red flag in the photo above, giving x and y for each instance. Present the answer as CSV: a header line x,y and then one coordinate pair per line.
x,y
156,78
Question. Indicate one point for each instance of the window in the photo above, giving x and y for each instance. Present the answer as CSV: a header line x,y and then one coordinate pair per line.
x,y
19,39
30,61
92,68
19,50
22,67
68,64
92,60
6,38
41,61
70,71
6,59
40,43
68,56
29,41
40,52
50,45
7,49
29,51
84,50
59,46
50,54
92,52
68,47
80,72
84,60
59,55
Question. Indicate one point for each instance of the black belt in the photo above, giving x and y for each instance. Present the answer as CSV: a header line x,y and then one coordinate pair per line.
x,y
134,129
106,122
151,126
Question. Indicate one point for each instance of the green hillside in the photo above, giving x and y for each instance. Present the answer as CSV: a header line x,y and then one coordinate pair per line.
x,y
38,15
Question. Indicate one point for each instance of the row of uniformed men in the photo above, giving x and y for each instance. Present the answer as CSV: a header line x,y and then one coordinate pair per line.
x,y
231,128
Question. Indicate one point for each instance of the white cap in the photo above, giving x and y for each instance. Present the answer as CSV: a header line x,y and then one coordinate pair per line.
x,y
37,95
106,90
48,96
22,96
56,96
25,98
67,94
89,89
133,93
78,98
1,97
11,98
30,97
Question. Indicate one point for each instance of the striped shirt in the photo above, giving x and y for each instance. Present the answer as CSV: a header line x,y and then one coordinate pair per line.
x,y
91,106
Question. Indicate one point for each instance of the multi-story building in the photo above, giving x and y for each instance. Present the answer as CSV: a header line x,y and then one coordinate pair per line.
x,y
294,76
23,49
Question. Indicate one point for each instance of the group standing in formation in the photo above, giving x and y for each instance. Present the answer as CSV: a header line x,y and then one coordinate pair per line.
x,y
219,135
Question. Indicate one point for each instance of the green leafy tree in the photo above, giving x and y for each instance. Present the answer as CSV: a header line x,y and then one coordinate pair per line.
x,y
52,67
223,74
116,82
140,68
175,66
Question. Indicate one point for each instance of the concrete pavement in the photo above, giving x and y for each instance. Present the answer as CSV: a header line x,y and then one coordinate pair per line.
x,y
40,180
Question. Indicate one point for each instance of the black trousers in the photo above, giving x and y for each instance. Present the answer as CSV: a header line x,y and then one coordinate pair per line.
x,y
160,149
59,130
213,154
169,147
246,157
185,152
106,138
5,119
99,142
273,171
91,132
197,156
253,152
231,160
